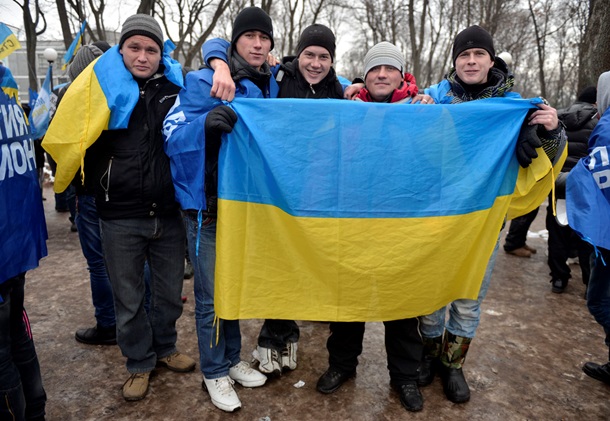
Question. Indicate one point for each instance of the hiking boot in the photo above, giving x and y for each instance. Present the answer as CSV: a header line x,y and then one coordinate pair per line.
x,y
558,285
289,356
96,335
410,396
332,379
222,393
177,362
245,375
520,252
269,360
136,386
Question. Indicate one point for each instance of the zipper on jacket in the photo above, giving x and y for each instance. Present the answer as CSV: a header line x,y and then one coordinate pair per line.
x,y
107,187
312,89
166,97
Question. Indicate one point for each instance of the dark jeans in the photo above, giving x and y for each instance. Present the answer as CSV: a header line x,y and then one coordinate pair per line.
x,y
598,291
276,334
128,244
88,224
562,240
403,345
22,396
517,233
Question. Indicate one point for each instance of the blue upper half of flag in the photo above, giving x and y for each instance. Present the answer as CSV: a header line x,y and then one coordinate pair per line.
x,y
354,159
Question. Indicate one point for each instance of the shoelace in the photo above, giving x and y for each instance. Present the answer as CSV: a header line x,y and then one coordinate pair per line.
x,y
224,385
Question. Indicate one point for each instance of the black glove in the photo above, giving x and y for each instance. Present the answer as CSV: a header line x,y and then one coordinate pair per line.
x,y
220,120
527,143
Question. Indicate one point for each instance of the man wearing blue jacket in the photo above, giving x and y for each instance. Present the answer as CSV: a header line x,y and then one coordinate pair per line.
x,y
193,129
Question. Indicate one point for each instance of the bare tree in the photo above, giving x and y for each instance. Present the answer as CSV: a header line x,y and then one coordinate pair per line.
x,y
32,19
595,52
195,20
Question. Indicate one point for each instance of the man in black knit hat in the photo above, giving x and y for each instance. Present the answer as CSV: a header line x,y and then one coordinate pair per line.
x,y
308,75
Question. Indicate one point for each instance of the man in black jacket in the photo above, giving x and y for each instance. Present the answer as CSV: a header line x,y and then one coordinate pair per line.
x,y
140,220
579,119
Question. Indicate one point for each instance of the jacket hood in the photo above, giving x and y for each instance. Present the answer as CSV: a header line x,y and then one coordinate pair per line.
x,y
577,115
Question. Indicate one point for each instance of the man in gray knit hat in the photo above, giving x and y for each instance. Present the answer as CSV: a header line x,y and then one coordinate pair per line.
x,y
129,173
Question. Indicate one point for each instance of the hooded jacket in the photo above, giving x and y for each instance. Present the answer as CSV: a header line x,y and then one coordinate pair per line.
x,y
579,120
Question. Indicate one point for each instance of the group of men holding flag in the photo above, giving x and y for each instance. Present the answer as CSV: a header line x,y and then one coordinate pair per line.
x,y
339,217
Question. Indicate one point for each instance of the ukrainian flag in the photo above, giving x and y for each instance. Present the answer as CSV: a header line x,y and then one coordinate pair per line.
x,y
8,41
75,46
102,97
349,211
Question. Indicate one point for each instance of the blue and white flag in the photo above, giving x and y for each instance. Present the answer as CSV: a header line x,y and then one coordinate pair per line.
x,y
40,114
588,189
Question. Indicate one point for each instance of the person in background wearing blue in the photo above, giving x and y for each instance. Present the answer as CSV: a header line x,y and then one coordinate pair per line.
x,y
598,292
193,131
24,235
477,74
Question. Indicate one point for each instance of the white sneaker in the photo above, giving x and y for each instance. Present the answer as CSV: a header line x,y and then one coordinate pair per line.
x,y
245,375
289,356
222,393
269,360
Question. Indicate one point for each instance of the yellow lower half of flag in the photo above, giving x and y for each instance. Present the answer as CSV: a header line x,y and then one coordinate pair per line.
x,y
270,264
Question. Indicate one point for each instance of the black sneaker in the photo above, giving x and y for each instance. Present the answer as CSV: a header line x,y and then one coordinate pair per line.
x,y
410,396
558,285
332,380
97,335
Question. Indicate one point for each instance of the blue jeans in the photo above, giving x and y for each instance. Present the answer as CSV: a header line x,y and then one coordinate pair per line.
x,y
127,244
598,291
464,315
217,353
22,396
88,224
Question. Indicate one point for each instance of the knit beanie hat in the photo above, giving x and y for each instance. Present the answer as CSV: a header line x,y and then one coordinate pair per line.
x,y
86,55
252,19
318,35
603,92
589,94
473,37
386,54
142,24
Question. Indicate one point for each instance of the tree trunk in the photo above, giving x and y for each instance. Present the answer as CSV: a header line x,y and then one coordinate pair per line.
x,y
595,51
65,23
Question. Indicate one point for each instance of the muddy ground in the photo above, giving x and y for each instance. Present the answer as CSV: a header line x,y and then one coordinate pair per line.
x,y
524,364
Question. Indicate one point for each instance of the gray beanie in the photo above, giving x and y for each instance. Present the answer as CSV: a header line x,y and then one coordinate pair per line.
x,y
386,54
142,24
85,56
603,92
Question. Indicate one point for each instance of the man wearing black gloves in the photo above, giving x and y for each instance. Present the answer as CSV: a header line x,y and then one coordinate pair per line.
x,y
192,131
477,74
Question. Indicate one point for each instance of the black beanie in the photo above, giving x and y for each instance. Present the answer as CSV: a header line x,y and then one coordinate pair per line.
x,y
318,35
589,94
252,19
141,24
473,37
